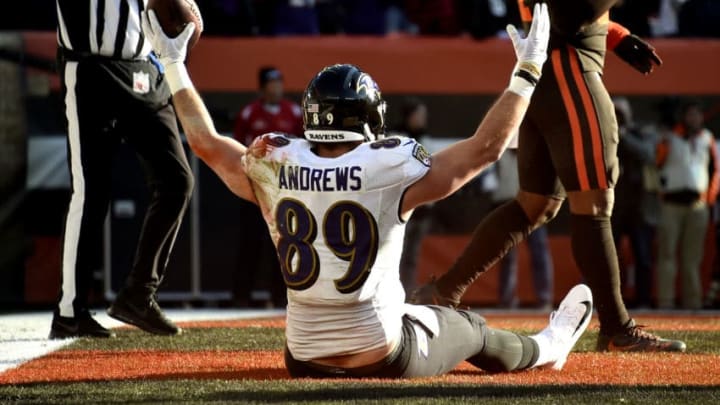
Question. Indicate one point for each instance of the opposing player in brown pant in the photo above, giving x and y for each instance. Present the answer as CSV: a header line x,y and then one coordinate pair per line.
x,y
567,148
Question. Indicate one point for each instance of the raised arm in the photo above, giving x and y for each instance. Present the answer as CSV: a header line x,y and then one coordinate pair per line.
x,y
221,153
454,166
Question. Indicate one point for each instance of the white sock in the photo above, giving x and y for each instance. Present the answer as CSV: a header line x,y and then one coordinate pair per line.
x,y
545,353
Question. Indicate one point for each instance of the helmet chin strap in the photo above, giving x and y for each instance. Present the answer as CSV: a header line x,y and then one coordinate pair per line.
x,y
369,136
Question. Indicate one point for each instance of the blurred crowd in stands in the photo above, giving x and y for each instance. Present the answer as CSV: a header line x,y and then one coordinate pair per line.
x,y
666,202
476,18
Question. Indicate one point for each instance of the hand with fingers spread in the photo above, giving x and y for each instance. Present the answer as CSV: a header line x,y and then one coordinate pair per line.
x,y
531,52
171,51
638,53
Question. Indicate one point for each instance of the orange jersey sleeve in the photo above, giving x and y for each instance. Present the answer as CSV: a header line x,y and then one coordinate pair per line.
x,y
616,33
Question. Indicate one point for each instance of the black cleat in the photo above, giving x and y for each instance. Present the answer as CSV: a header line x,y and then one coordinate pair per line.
x,y
143,312
634,339
82,325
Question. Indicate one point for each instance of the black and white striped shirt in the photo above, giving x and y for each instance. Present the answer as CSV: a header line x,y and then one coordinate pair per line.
x,y
102,27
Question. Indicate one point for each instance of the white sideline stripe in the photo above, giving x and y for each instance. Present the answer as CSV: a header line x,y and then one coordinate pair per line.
x,y
24,336
73,222
20,352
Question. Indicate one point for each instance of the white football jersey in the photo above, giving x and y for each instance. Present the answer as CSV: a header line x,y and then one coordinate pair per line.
x,y
337,228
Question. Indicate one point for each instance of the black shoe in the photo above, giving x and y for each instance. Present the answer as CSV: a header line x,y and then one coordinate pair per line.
x,y
634,339
143,312
82,325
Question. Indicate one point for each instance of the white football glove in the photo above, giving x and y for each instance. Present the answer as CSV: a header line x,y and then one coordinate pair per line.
x,y
170,51
531,52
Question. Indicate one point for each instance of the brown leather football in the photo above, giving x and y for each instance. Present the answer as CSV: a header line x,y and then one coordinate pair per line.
x,y
173,15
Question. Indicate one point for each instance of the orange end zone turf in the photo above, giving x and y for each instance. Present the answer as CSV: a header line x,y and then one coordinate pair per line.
x,y
581,368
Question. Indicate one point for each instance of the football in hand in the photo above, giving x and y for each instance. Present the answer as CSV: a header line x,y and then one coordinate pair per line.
x,y
173,15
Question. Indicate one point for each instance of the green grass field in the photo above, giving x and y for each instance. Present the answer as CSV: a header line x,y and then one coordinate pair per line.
x,y
348,392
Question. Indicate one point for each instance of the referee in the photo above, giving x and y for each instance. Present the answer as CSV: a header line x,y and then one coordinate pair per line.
x,y
114,91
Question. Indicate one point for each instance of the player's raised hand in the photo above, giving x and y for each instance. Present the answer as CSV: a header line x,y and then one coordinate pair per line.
x,y
533,48
169,50
638,53
531,51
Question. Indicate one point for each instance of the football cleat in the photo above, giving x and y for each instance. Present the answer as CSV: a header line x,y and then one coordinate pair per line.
x,y
634,339
144,312
567,324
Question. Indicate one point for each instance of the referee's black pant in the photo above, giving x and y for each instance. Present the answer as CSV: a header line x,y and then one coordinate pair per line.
x,y
108,102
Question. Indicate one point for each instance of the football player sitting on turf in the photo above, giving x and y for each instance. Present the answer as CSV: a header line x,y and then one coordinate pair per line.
x,y
336,204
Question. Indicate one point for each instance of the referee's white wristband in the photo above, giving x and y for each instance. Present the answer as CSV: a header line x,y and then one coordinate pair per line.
x,y
521,87
177,77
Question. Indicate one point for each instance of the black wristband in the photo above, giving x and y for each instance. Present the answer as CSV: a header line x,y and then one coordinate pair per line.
x,y
527,76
